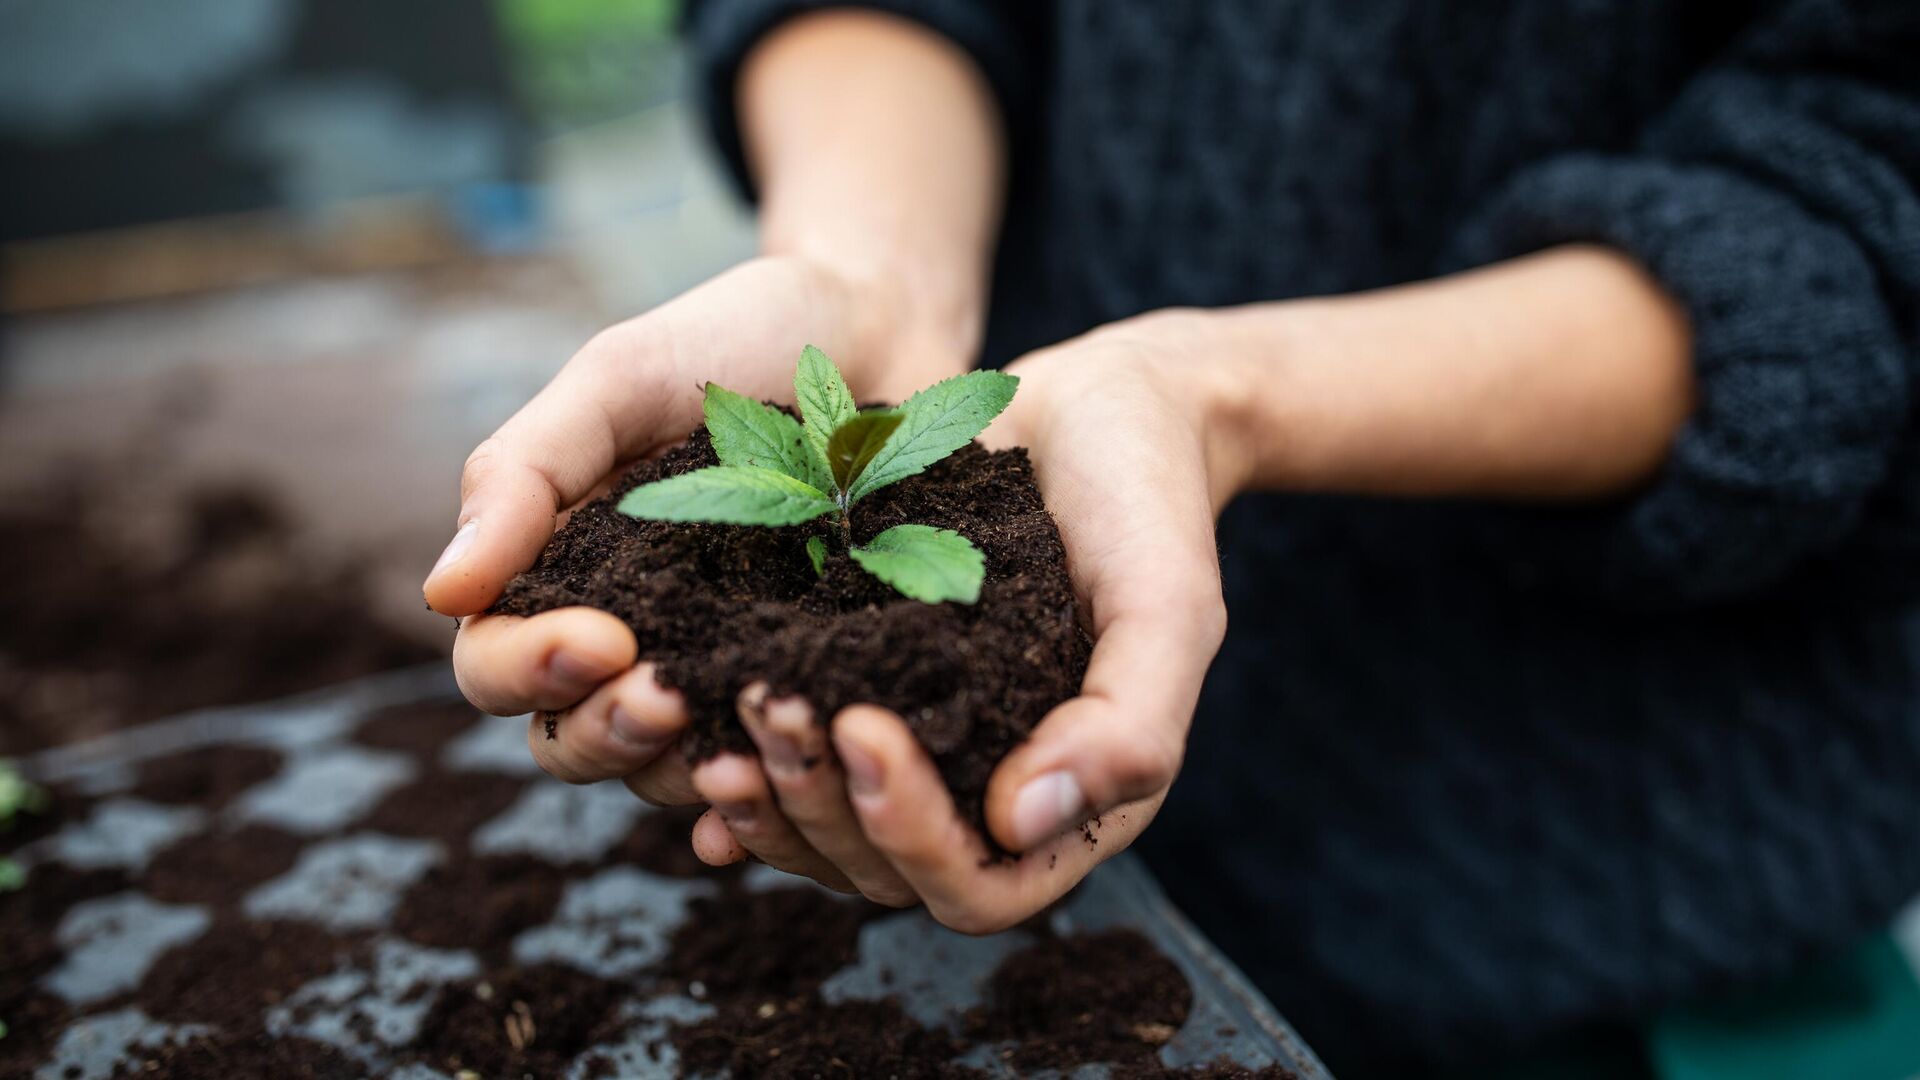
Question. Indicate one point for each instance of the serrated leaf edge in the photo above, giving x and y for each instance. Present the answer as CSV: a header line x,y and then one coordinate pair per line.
x,y
869,549
796,489
862,490
775,455
819,429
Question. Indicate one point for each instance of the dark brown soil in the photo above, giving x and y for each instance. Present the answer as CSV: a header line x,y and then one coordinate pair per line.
x,y
34,1022
207,778
758,958
662,843
421,730
520,1021
720,606
28,918
51,889
238,969
126,617
25,826
217,867
1109,996
480,903
247,1054
775,943
445,808
801,1039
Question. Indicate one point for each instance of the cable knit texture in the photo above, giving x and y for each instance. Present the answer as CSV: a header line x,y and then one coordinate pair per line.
x,y
1467,777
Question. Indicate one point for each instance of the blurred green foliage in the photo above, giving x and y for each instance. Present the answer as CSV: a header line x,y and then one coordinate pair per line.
x,y
560,22
18,795
578,62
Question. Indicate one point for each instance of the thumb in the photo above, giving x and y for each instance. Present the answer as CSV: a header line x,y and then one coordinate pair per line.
x,y
1122,739
546,458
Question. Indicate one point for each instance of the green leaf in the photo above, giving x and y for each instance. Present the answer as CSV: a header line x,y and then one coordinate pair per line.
x,y
817,552
11,876
825,401
729,495
937,421
18,795
925,563
745,432
856,442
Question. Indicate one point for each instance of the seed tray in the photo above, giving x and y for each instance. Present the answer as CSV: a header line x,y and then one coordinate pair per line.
x,y
613,920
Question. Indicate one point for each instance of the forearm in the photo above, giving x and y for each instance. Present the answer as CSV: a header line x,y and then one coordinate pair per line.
x,y
1562,375
877,150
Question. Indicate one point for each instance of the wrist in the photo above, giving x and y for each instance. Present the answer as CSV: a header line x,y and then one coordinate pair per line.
x,y
1227,388
908,328
1261,389
876,147
916,328
1207,374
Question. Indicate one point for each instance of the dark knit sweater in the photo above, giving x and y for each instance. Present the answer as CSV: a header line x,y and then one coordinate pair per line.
x,y
1470,776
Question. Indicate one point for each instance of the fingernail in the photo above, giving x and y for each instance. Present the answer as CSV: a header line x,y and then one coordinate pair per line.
x,y
780,753
456,548
738,815
864,777
574,673
1045,807
752,702
632,732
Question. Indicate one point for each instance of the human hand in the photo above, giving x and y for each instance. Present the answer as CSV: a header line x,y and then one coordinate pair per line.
x,y
1121,428
632,390
1485,384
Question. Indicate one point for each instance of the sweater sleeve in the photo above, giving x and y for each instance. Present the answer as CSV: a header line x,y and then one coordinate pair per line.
x,y
999,35
1776,200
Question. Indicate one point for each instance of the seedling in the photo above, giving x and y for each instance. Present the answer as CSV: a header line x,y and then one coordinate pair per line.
x,y
775,470
17,797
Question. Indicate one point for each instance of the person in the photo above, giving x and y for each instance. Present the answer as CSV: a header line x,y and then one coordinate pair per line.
x,y
1557,362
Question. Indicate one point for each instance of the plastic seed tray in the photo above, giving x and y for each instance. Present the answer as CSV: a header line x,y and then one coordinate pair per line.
x,y
613,920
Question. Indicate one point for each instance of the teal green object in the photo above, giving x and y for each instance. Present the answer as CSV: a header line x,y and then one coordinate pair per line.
x,y
1855,1016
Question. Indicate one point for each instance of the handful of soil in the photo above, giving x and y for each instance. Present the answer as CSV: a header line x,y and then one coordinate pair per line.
x,y
717,607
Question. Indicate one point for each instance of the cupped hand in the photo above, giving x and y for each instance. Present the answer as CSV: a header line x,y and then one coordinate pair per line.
x,y
631,391
1121,428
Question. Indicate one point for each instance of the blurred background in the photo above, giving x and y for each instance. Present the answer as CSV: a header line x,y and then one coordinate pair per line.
x,y
268,270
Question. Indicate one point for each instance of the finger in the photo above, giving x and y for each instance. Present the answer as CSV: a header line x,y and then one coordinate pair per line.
x,y
507,665
542,459
631,389
714,843
737,788
617,730
907,814
812,792
1121,740
667,780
